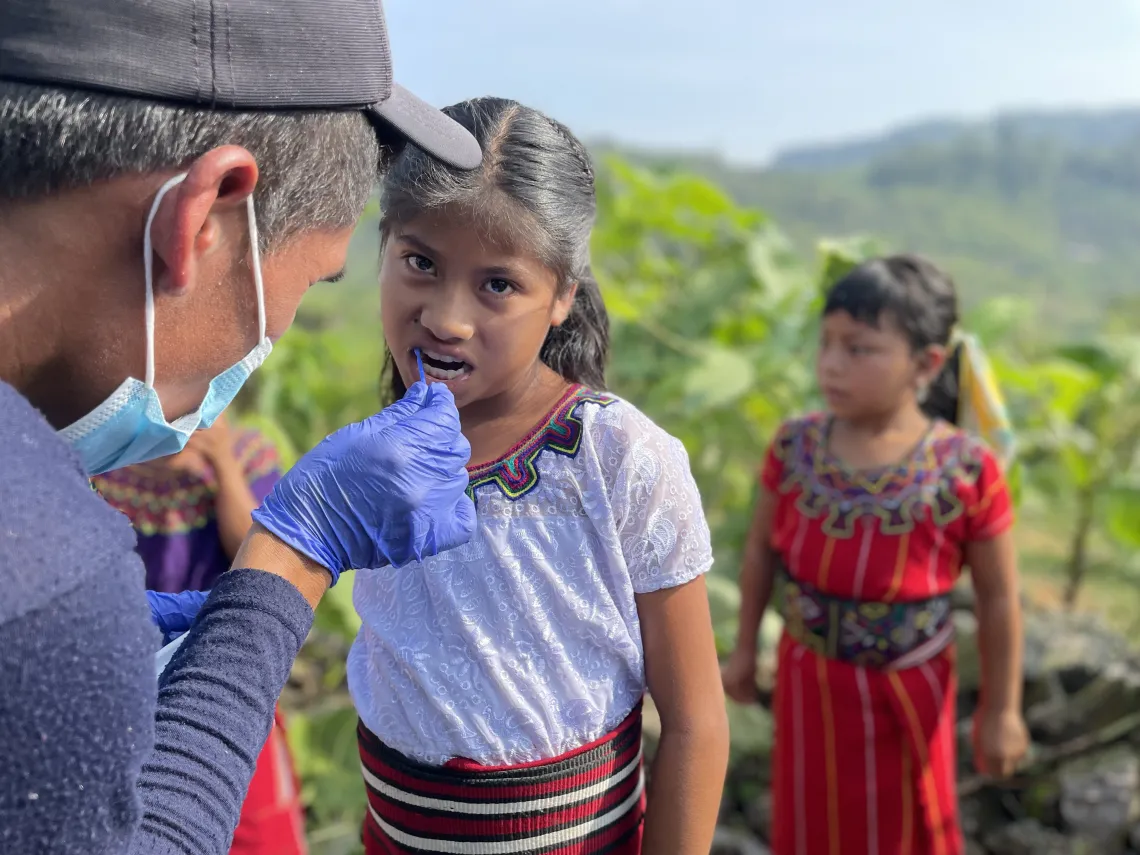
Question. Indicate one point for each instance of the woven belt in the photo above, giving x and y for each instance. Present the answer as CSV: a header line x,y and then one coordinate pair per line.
x,y
889,636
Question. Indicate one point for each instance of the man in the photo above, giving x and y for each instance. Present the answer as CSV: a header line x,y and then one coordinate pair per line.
x,y
173,177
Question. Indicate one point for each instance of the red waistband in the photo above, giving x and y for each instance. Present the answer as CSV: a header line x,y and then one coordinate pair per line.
x,y
588,800
631,720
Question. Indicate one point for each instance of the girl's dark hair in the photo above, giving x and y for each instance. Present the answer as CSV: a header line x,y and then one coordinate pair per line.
x,y
536,186
921,300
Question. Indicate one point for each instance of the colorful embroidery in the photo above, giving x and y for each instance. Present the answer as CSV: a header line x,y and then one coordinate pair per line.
x,y
870,634
516,473
896,496
179,502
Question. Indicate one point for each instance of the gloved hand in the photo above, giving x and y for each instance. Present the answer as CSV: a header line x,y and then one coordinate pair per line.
x,y
387,490
173,613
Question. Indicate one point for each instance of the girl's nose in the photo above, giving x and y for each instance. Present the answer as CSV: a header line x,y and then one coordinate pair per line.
x,y
447,317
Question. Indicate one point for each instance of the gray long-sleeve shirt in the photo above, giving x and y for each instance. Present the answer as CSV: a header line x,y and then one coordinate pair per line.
x,y
95,758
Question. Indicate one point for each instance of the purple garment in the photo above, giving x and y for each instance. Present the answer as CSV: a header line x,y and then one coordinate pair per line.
x,y
174,514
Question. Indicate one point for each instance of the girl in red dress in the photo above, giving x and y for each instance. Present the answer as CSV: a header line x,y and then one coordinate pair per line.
x,y
866,516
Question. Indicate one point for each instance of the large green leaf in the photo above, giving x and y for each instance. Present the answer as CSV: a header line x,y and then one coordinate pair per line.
x,y
838,257
721,377
1122,515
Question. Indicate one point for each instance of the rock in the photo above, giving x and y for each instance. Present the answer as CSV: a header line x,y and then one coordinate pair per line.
x,y
962,596
751,729
1100,797
1042,800
1057,643
1029,837
1113,694
758,815
729,841
1075,677
982,813
965,732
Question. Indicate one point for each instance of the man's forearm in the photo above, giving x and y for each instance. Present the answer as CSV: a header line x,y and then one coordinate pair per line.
x,y
215,708
263,551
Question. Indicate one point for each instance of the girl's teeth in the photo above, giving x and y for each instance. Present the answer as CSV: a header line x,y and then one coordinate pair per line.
x,y
439,357
440,374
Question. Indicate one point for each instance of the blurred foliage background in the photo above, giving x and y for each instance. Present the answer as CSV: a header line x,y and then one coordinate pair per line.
x,y
714,310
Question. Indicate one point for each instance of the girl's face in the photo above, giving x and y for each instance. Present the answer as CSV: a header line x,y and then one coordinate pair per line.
x,y
478,309
869,371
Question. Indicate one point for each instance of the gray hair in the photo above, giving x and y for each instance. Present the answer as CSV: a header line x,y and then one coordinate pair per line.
x,y
317,169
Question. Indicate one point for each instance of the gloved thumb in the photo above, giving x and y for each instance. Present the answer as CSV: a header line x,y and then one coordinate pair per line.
x,y
417,392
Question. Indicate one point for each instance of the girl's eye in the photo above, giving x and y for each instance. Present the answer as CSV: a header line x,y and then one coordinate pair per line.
x,y
420,263
499,287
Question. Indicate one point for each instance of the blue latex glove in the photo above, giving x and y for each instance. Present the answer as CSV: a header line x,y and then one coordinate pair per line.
x,y
173,613
387,490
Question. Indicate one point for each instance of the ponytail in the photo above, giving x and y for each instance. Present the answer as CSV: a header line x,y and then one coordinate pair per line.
x,y
579,349
966,394
943,396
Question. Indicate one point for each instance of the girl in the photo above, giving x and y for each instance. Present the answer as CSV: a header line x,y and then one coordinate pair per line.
x,y
192,511
866,515
499,684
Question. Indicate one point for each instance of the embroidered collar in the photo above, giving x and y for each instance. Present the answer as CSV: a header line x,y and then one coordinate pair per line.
x,y
560,431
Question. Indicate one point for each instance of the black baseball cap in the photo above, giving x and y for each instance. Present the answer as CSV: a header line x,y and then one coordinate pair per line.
x,y
228,54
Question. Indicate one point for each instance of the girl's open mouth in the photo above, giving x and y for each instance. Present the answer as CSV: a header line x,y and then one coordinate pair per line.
x,y
440,367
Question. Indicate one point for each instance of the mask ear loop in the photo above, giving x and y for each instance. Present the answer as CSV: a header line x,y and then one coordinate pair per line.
x,y
148,272
255,252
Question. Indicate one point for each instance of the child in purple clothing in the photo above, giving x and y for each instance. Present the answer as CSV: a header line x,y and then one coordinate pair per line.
x,y
192,510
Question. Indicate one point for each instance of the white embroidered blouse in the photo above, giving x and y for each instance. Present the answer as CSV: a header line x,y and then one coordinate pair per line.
x,y
525,644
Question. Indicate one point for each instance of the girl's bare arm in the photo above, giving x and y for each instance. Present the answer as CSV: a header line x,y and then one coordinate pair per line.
x,y
684,682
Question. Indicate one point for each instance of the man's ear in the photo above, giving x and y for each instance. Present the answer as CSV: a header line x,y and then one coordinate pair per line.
x,y
563,305
186,224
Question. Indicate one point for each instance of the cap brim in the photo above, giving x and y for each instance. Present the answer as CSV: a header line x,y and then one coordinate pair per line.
x,y
427,128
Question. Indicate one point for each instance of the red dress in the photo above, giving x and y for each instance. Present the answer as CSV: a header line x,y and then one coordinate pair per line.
x,y
865,758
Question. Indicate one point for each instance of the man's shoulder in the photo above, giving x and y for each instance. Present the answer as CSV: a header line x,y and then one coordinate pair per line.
x,y
54,529
27,441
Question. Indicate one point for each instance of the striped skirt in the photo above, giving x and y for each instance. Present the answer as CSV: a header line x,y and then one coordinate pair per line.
x,y
587,802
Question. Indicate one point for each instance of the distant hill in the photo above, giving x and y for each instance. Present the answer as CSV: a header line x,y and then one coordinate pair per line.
x,y
1044,205
1041,205
1080,129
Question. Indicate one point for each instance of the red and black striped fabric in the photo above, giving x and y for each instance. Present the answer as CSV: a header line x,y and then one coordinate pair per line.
x,y
588,802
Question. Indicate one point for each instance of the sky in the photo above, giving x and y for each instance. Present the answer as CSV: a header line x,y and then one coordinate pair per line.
x,y
745,78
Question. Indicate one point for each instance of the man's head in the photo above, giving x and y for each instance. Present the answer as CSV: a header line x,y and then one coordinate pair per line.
x,y
103,101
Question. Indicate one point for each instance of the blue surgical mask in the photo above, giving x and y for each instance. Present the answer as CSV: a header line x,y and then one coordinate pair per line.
x,y
129,427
